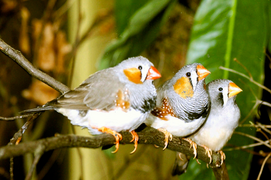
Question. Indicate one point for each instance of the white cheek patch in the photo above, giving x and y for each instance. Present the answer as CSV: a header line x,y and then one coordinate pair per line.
x,y
225,96
144,72
194,79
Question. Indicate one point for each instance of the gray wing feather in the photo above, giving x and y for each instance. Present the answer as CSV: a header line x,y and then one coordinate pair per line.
x,y
97,92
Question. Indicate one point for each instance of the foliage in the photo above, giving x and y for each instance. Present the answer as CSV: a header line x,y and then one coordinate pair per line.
x,y
223,31
138,24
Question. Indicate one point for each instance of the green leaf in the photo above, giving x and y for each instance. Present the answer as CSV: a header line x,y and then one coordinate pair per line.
x,y
140,31
268,11
224,30
124,10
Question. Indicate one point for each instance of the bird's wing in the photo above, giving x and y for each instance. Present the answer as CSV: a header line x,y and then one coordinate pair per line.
x,y
99,91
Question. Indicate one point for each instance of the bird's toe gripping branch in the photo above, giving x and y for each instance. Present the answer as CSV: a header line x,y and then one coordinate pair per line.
x,y
208,151
135,139
117,136
192,145
168,136
222,156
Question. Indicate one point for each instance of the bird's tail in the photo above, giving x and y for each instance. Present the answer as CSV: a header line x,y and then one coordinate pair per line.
x,y
38,109
180,164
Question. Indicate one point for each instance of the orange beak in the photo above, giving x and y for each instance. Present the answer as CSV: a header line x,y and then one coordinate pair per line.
x,y
153,73
233,89
202,72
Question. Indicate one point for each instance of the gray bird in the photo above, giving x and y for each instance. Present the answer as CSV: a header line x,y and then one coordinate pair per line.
x,y
182,104
220,124
111,100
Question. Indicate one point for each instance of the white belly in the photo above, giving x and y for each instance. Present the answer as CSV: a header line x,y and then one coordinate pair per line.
x,y
175,126
117,119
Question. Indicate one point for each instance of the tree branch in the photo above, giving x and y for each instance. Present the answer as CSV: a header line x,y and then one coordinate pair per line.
x,y
221,173
146,136
18,57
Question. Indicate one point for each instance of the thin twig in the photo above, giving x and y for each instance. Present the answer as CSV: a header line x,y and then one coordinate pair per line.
x,y
246,146
15,117
247,77
265,103
55,155
255,125
244,67
253,108
38,154
17,138
250,112
260,173
263,127
254,138
18,57
20,133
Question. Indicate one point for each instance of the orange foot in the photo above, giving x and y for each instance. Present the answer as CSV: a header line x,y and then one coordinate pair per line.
x,y
116,135
192,144
222,156
208,151
135,139
168,136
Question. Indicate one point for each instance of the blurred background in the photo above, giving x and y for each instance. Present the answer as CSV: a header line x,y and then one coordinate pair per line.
x,y
72,39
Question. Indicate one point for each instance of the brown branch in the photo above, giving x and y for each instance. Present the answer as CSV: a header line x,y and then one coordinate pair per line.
x,y
17,138
264,162
146,136
18,57
15,117
38,154
18,135
221,173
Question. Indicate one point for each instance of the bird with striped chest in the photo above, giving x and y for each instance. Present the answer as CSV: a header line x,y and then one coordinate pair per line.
x,y
111,100
220,124
182,104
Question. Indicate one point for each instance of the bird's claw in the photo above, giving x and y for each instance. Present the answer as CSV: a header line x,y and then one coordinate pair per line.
x,y
222,156
192,145
168,136
117,136
135,139
208,151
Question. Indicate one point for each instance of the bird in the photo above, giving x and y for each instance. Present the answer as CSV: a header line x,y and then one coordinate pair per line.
x,y
220,124
111,100
182,104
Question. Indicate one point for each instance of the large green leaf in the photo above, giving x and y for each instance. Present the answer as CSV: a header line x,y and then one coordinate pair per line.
x,y
124,11
224,30
140,30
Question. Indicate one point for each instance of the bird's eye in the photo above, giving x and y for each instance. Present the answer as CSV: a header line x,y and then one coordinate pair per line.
x,y
220,89
139,67
188,74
